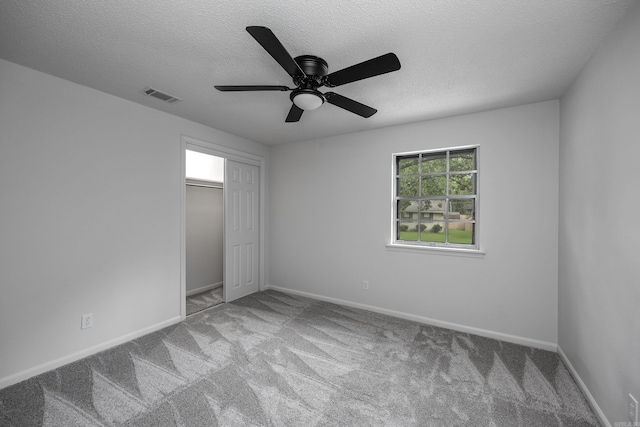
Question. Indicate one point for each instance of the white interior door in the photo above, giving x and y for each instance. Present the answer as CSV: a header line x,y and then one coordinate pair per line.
x,y
242,230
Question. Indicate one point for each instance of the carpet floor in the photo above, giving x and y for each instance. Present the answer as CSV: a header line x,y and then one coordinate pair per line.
x,y
272,359
204,300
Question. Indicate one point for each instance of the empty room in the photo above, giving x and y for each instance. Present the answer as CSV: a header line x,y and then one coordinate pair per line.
x,y
422,213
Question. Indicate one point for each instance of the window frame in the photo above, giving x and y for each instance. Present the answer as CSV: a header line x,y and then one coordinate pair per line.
x,y
448,248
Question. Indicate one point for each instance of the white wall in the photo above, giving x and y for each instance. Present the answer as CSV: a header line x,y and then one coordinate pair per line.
x,y
89,217
330,204
204,238
599,281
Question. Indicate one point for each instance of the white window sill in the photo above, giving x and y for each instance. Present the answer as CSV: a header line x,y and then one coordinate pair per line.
x,y
436,250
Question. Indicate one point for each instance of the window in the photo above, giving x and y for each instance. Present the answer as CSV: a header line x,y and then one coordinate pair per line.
x,y
436,198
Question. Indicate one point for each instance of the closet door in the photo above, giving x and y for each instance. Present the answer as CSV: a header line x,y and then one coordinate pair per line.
x,y
242,230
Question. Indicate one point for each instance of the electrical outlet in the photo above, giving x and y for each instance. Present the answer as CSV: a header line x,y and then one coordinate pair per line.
x,y
365,285
633,409
86,321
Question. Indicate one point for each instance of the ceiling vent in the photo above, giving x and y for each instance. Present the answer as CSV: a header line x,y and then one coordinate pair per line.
x,y
161,95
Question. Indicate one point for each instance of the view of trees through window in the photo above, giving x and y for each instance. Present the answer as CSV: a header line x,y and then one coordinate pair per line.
x,y
436,197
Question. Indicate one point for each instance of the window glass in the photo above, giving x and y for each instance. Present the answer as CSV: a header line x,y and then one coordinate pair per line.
x,y
461,184
462,161
434,164
408,165
434,185
408,186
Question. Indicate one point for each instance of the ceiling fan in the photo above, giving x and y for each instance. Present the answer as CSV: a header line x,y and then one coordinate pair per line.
x,y
310,73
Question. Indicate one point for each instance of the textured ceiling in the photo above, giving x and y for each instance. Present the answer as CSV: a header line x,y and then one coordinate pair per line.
x,y
457,56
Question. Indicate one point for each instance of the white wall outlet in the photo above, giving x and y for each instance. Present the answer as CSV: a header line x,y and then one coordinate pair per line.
x,y
633,409
365,285
86,321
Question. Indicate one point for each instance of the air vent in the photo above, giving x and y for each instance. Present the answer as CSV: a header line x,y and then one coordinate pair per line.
x,y
161,95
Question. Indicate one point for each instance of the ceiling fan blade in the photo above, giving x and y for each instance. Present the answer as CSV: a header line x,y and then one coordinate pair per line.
x,y
349,104
272,45
294,114
373,67
250,88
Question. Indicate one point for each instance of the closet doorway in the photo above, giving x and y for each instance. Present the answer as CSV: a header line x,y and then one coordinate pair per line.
x,y
204,231
242,178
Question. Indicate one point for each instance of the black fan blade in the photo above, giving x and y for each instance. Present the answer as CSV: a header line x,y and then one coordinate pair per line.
x,y
349,104
294,114
249,88
373,67
272,45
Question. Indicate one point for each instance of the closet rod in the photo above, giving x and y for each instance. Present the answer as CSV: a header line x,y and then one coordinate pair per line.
x,y
205,185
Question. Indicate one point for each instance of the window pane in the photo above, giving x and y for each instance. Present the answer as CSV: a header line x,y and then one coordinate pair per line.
x,y
434,163
407,231
462,184
408,165
461,161
461,233
434,185
462,209
404,211
408,186
432,231
432,209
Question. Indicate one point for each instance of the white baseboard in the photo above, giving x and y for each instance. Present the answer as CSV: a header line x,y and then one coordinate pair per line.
x,y
204,288
53,364
544,345
583,387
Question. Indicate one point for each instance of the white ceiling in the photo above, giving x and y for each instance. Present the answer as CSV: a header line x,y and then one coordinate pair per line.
x,y
457,56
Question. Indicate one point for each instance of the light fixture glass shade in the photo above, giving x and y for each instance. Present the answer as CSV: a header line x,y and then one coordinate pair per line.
x,y
307,101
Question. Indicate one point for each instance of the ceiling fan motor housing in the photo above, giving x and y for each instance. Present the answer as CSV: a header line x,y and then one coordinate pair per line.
x,y
314,67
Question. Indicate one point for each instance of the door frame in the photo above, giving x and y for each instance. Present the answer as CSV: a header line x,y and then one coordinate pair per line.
x,y
205,147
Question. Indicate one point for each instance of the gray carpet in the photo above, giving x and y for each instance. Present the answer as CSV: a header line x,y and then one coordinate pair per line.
x,y
271,359
204,300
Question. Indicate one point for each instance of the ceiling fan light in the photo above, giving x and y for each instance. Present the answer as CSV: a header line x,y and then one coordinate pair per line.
x,y
307,101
